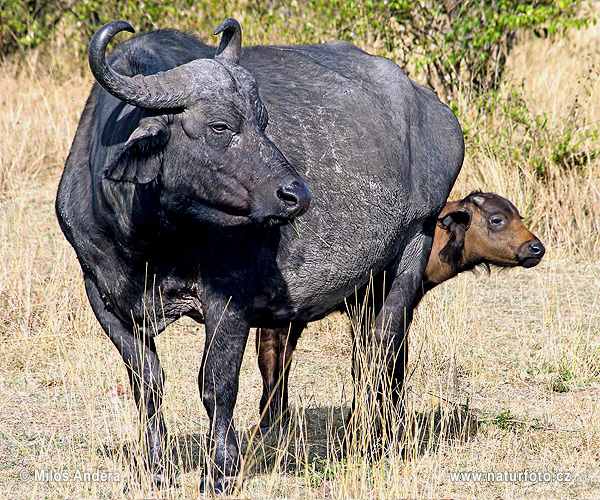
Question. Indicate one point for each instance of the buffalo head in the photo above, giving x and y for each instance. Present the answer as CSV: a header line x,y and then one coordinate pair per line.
x,y
485,228
201,137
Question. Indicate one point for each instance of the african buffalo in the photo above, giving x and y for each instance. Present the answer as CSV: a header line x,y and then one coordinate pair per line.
x,y
177,203
481,229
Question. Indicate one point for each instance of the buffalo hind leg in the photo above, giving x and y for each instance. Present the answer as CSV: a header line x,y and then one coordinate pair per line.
x,y
275,347
146,377
381,353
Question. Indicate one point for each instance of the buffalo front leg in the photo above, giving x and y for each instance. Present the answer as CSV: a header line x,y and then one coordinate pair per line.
x,y
275,347
218,380
146,377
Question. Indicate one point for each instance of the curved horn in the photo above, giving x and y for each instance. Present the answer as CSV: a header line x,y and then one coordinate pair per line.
x,y
164,90
230,46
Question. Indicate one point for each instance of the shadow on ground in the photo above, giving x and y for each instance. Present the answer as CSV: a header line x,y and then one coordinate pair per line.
x,y
314,439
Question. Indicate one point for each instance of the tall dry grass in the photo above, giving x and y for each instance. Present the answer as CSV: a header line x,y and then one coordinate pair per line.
x,y
555,83
517,352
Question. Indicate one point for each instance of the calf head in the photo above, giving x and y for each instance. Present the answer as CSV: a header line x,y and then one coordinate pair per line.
x,y
202,138
485,228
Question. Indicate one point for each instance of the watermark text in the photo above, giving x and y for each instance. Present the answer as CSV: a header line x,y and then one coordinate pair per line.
x,y
526,476
64,476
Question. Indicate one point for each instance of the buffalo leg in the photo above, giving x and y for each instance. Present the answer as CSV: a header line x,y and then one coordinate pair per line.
x,y
384,351
146,377
227,332
275,347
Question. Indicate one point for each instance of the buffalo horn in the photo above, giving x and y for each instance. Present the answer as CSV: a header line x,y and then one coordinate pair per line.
x,y
230,45
164,90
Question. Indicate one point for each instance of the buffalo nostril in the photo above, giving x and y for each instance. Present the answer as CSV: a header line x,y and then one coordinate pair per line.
x,y
531,253
296,197
288,195
537,249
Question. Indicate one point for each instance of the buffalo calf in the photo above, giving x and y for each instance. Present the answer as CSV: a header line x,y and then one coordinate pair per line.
x,y
480,229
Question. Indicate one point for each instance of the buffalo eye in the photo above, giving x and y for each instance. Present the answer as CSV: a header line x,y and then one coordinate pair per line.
x,y
219,135
219,127
497,221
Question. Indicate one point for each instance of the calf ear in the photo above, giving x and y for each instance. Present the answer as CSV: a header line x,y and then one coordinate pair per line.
x,y
456,224
141,158
455,218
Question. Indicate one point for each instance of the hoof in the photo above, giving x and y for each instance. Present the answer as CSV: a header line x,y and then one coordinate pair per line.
x,y
255,430
157,482
224,486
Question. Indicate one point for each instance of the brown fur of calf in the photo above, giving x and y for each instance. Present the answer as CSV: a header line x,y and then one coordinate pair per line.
x,y
480,229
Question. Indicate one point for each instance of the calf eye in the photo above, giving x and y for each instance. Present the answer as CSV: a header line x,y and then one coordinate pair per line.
x,y
496,221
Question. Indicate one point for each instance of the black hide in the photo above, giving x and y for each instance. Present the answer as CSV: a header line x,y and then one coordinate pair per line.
x,y
185,211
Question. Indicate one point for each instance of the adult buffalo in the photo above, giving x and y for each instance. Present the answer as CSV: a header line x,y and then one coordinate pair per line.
x,y
178,204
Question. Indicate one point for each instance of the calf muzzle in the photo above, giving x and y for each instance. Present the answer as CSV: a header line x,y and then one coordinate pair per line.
x,y
530,253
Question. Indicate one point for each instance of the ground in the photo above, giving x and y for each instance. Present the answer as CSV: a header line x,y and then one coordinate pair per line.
x,y
518,351
504,368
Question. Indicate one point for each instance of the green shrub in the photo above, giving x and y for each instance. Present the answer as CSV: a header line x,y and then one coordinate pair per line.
x,y
457,44
25,24
464,44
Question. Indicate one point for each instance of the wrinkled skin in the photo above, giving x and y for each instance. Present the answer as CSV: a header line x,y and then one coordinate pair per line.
x,y
188,225
480,229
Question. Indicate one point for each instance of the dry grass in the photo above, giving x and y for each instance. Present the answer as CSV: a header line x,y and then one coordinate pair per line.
x,y
557,81
518,351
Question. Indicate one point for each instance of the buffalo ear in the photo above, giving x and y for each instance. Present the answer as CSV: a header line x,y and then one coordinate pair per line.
x,y
455,218
141,157
456,224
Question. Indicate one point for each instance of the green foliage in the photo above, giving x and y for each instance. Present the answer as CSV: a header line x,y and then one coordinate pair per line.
x,y
456,44
26,24
507,421
525,135
467,42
